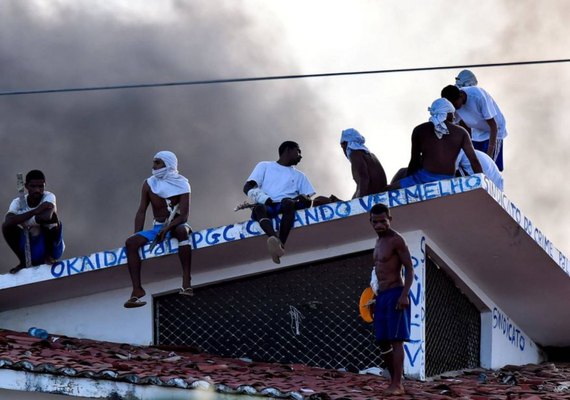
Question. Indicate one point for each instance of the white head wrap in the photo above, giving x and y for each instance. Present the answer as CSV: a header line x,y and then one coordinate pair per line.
x,y
439,110
167,182
465,78
355,141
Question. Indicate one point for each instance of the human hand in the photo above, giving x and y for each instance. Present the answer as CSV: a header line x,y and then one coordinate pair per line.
x,y
403,302
42,208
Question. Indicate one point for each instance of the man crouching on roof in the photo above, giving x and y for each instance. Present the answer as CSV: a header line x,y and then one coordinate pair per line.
x,y
168,193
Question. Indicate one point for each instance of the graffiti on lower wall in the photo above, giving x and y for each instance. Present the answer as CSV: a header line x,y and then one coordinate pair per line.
x,y
510,331
415,349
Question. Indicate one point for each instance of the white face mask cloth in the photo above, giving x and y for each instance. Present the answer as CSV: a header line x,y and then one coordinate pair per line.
x,y
438,111
167,182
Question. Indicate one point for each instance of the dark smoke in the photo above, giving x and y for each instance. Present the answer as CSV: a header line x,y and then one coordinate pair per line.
x,y
96,148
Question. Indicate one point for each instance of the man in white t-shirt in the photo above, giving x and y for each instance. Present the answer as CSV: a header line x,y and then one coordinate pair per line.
x,y
36,216
478,112
277,187
489,167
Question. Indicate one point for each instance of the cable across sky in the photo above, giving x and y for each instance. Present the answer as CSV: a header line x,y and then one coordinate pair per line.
x,y
273,78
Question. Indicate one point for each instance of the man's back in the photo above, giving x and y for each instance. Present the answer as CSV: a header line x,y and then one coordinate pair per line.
x,y
438,155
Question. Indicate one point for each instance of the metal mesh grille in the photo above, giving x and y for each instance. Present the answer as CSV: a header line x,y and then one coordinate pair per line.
x,y
306,315
453,325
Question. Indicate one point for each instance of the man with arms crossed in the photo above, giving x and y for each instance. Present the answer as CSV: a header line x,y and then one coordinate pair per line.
x,y
392,308
36,217
168,194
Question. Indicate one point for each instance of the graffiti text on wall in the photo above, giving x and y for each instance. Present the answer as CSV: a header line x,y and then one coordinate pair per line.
x,y
509,330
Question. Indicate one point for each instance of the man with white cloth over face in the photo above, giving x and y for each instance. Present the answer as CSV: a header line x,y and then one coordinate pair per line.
x,y
367,171
435,147
168,194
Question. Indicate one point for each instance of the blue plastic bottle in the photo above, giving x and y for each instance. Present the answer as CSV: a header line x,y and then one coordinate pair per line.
x,y
38,332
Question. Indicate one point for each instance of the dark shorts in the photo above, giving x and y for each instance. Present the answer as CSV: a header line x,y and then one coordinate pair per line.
x,y
40,248
275,209
390,324
498,156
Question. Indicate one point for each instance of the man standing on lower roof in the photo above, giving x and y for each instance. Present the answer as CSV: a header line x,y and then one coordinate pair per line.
x,y
489,167
168,194
367,171
478,112
35,216
277,187
392,308
435,147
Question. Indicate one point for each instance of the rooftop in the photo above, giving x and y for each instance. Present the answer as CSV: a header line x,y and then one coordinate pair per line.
x,y
89,362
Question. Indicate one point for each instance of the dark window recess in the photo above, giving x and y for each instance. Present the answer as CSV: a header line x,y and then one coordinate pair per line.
x,y
453,325
307,314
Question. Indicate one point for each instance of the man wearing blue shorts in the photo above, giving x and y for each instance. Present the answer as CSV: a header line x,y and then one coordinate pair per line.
x,y
168,194
435,147
392,308
36,216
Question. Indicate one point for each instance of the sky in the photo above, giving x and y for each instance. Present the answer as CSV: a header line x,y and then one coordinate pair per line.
x,y
96,148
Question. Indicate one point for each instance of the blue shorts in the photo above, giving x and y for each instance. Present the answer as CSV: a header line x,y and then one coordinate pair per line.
x,y
391,325
422,176
498,156
39,248
151,234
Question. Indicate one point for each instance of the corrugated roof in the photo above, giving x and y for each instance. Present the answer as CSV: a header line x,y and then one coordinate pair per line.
x,y
142,365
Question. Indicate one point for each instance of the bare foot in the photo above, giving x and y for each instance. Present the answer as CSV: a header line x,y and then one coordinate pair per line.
x,y
394,390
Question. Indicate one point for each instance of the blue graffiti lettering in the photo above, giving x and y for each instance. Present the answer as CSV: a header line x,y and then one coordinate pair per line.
x,y
413,193
472,181
343,209
226,235
86,262
430,191
122,256
312,214
298,221
508,329
57,269
327,212
196,239
394,198
417,297
109,262
412,359
212,237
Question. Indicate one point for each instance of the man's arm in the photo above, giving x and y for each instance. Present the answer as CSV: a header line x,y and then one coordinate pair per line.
x,y
248,186
469,151
44,211
183,213
359,173
143,205
492,136
406,260
416,157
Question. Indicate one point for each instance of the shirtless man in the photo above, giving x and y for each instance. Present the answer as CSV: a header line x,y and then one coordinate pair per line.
x,y
367,171
435,147
392,308
168,194
36,216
